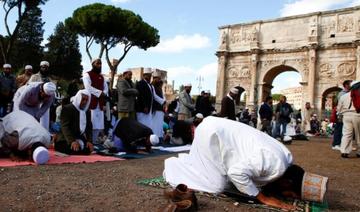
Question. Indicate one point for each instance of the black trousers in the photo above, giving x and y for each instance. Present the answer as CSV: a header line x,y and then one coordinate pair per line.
x,y
64,147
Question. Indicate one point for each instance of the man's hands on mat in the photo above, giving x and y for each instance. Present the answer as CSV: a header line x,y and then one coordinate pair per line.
x,y
75,146
90,146
272,201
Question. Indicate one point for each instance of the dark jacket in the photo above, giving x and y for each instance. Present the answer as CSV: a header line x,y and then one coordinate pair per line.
x,y
283,111
145,97
157,106
126,95
70,125
227,108
204,107
266,112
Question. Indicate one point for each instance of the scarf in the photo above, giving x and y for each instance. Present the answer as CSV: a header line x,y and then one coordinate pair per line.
x,y
76,100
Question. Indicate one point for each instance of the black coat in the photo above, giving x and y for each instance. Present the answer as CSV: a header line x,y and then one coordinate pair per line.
x,y
227,108
144,98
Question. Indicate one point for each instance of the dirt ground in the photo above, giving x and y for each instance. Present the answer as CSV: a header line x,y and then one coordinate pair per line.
x,y
111,186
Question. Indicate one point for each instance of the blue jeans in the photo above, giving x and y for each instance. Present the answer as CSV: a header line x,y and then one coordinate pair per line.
x,y
337,134
280,125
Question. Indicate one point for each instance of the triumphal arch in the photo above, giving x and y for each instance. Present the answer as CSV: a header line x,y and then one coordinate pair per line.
x,y
323,47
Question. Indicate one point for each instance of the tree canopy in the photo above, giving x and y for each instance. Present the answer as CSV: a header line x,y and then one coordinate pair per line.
x,y
110,26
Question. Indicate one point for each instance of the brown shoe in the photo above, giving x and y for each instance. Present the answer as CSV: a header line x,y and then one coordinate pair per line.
x,y
180,193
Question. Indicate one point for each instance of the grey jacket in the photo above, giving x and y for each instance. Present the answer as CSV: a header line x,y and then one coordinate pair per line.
x,y
126,95
185,103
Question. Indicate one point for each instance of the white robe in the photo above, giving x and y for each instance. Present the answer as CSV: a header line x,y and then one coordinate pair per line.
x,y
224,150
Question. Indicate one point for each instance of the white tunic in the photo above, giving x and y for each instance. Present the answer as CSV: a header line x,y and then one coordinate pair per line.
x,y
97,115
29,129
224,150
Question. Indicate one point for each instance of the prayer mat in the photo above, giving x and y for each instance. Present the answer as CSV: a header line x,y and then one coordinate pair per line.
x,y
60,158
237,198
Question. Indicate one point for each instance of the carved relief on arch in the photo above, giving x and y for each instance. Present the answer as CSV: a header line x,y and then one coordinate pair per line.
x,y
346,23
232,72
244,72
326,70
345,70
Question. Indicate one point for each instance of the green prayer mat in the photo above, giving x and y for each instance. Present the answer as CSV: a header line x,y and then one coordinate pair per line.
x,y
159,182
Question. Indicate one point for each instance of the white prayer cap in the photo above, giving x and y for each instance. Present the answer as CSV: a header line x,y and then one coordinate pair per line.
x,y
127,70
156,74
94,60
207,91
49,88
354,83
41,155
187,85
287,138
234,90
171,115
45,63
28,67
199,116
154,140
6,65
147,71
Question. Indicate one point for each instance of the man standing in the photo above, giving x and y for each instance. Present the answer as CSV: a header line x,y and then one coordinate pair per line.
x,y
266,114
43,76
76,133
22,137
351,123
22,79
204,105
35,98
94,82
306,117
126,95
339,122
158,111
7,89
283,111
186,106
228,105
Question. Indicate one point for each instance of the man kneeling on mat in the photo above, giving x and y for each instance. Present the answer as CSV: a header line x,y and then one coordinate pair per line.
x,y
76,128
226,153
22,137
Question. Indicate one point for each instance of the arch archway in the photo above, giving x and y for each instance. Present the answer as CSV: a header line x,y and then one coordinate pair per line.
x,y
270,75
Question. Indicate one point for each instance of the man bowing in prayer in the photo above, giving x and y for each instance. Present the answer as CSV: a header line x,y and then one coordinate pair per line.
x,y
75,136
35,98
22,137
225,152
94,82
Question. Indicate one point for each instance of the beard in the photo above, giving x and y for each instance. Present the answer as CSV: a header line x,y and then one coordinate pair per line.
x,y
44,73
96,70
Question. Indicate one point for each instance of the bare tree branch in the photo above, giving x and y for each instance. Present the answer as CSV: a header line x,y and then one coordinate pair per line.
x,y
7,12
89,42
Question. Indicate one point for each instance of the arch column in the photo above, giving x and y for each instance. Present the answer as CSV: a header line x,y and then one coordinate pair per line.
x,y
221,78
358,61
312,75
253,67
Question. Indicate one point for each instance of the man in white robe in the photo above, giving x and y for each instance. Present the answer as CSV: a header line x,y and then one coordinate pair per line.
x,y
225,152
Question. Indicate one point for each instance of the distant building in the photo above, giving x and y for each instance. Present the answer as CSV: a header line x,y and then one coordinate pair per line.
x,y
293,96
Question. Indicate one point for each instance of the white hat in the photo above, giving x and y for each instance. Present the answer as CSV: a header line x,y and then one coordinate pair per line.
x,y
6,65
314,114
28,67
41,155
127,70
187,85
154,140
45,63
207,91
199,116
234,90
353,83
287,138
49,88
156,74
94,60
147,71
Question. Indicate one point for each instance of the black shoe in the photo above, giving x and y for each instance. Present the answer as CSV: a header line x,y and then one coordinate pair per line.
x,y
344,155
358,155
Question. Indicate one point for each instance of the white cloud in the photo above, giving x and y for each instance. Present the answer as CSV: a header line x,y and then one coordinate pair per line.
x,y
355,3
119,1
306,6
185,74
182,42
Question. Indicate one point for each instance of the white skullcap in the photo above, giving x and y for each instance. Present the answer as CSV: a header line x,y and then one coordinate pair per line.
x,y
199,116
187,85
49,88
171,115
314,114
41,155
127,70
154,140
156,74
207,91
94,60
45,63
287,138
6,65
147,71
353,83
28,67
234,90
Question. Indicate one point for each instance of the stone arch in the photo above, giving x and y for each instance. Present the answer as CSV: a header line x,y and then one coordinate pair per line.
x,y
328,98
270,75
241,91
